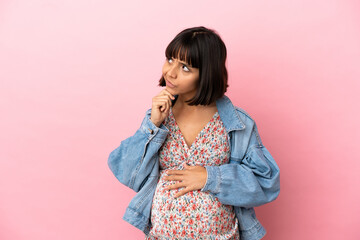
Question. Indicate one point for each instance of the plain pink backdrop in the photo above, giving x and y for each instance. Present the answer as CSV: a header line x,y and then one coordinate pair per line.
x,y
76,78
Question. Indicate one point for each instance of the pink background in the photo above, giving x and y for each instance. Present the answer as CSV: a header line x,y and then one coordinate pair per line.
x,y
76,78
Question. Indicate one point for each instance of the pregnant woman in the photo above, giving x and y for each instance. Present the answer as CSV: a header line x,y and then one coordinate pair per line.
x,y
197,161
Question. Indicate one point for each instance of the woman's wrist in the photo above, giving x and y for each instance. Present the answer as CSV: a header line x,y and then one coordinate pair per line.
x,y
155,123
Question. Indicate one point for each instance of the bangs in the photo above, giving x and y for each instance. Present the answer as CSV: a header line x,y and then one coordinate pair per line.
x,y
187,52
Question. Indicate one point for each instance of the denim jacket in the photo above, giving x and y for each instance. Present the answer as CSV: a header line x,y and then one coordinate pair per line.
x,y
251,177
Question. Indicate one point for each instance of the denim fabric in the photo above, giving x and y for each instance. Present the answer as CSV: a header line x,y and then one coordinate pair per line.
x,y
250,179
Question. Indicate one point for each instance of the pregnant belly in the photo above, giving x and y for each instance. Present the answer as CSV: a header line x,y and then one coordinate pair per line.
x,y
195,214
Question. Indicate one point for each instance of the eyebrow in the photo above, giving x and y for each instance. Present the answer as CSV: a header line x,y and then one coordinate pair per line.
x,y
185,64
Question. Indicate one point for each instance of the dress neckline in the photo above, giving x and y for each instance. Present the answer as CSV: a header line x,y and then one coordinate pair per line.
x,y
198,135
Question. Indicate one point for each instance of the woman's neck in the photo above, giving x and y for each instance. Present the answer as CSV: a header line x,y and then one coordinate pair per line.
x,y
181,106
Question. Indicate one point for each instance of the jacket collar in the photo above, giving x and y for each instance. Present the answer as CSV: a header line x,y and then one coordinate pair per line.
x,y
228,114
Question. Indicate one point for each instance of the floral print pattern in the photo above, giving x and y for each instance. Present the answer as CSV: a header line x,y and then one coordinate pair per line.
x,y
196,214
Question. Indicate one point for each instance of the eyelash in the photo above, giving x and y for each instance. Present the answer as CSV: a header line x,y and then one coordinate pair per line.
x,y
188,70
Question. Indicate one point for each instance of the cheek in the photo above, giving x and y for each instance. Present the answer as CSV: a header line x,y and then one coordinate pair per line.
x,y
190,83
164,68
193,80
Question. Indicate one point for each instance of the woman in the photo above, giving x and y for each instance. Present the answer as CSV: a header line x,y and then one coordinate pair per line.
x,y
197,161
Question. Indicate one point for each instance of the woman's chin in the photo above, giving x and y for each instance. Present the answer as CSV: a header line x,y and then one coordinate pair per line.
x,y
171,90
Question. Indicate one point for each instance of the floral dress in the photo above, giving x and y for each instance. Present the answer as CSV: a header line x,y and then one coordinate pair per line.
x,y
196,214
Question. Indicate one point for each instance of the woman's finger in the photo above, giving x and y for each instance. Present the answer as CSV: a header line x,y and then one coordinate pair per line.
x,y
166,92
162,105
175,185
166,102
174,178
182,192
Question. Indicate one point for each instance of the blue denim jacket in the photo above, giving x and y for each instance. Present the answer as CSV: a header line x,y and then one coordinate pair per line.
x,y
250,179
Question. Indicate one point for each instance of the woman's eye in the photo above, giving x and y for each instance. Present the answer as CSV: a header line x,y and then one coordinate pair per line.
x,y
169,59
186,70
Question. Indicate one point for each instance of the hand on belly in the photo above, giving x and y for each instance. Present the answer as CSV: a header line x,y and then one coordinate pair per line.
x,y
191,178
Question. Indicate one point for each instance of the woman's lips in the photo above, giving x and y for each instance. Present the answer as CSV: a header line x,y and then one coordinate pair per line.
x,y
169,84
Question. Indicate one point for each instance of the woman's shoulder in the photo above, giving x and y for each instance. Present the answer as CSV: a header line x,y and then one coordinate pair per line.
x,y
244,115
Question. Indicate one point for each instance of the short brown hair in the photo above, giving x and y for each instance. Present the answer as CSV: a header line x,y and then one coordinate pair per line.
x,y
201,48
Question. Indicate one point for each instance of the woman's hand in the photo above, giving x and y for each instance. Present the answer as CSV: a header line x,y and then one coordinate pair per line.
x,y
161,104
192,178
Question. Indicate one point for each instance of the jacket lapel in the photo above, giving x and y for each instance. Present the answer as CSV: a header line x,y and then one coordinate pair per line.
x,y
228,114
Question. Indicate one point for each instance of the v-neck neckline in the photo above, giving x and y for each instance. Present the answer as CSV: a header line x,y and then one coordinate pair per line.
x,y
198,135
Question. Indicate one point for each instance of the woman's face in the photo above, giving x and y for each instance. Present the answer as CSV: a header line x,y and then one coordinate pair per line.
x,y
180,77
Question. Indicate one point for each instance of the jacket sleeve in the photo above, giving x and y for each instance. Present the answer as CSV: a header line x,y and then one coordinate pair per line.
x,y
248,182
133,161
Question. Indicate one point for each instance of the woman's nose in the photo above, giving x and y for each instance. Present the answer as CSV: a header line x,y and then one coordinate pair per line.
x,y
172,71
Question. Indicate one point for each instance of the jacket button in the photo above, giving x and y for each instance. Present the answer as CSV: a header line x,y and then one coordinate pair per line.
x,y
151,131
